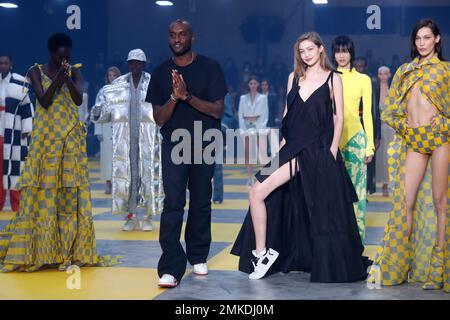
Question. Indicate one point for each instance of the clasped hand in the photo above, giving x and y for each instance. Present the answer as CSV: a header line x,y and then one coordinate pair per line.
x,y
63,73
179,88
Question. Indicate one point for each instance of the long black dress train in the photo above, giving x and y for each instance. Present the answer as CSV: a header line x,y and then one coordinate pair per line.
x,y
310,219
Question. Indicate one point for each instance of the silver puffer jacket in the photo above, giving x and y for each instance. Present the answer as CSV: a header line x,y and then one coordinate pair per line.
x,y
113,106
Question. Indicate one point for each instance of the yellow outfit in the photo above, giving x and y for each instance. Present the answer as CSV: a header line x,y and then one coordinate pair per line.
x,y
425,139
356,86
401,258
357,141
54,225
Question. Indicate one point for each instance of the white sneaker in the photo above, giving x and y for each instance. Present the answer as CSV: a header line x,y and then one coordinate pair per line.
x,y
167,281
131,223
147,224
262,263
201,269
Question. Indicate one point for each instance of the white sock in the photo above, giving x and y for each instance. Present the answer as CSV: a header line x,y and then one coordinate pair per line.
x,y
261,253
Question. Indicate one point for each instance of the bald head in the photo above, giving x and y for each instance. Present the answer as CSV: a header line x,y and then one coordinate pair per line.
x,y
181,37
184,23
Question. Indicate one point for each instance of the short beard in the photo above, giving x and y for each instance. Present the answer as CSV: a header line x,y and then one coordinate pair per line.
x,y
185,50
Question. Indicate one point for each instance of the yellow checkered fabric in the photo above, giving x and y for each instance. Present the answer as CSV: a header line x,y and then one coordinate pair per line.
x,y
54,224
447,241
433,78
401,259
425,139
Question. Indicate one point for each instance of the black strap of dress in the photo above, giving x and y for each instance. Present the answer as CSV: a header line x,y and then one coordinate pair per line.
x,y
295,81
333,104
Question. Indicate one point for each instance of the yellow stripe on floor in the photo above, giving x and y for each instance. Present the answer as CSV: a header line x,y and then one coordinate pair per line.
x,y
376,219
96,283
236,175
6,215
94,164
97,211
100,194
374,198
224,260
236,188
232,204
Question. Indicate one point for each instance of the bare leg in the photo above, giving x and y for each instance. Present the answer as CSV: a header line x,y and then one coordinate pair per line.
x,y
439,166
257,194
415,167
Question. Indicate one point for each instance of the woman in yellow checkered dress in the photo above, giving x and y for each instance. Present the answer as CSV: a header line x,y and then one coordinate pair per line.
x,y
54,225
416,245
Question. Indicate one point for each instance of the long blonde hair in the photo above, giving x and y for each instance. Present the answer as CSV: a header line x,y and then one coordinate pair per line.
x,y
113,69
300,66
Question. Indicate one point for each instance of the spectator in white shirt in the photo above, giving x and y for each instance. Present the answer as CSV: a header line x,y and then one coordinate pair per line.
x,y
253,116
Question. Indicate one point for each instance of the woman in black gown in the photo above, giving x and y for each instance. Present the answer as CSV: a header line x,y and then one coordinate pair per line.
x,y
302,210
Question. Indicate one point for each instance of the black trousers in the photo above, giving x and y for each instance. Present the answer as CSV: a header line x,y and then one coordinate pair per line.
x,y
176,179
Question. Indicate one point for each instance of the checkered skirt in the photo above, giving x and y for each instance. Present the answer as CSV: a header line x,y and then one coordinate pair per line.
x,y
54,224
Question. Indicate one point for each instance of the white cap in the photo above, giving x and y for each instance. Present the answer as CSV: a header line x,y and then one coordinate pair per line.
x,y
137,54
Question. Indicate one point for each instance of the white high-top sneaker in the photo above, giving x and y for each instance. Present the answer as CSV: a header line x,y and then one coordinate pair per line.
x,y
262,263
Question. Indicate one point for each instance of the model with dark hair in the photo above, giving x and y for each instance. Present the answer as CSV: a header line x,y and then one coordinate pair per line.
x,y
253,115
54,225
301,208
16,123
416,244
357,143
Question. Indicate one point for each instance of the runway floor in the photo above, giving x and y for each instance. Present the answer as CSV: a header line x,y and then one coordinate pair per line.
x,y
136,277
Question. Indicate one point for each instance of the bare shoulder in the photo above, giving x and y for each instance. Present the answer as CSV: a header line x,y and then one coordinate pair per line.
x,y
291,77
290,80
337,81
35,74
337,78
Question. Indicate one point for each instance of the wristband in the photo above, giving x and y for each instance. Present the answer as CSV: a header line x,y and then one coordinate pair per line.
x,y
173,98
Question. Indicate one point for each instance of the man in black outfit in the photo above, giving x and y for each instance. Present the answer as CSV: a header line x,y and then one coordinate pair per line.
x,y
185,89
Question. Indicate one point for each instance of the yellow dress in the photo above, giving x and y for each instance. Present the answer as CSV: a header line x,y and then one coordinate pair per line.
x,y
357,141
398,258
357,88
54,225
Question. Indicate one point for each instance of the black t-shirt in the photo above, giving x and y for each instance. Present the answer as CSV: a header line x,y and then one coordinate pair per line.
x,y
204,79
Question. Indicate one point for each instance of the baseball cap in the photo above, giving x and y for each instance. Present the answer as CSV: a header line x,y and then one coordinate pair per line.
x,y
137,54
